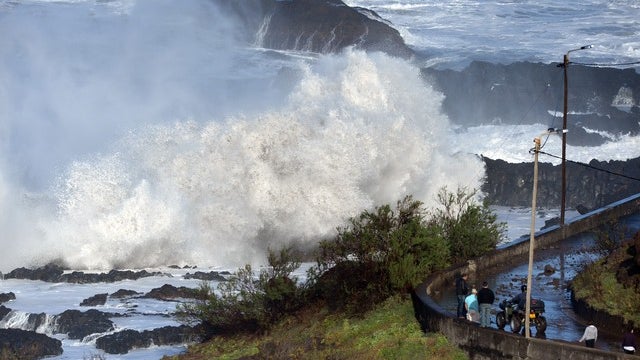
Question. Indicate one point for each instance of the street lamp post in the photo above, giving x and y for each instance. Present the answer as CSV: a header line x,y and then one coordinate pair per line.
x,y
536,150
564,132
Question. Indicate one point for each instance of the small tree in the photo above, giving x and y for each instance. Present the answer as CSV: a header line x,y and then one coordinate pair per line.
x,y
469,228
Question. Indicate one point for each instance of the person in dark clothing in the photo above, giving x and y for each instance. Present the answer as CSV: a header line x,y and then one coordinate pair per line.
x,y
486,297
520,299
462,290
629,341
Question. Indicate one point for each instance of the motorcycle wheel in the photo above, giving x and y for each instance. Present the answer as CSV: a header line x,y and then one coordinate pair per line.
x,y
516,324
541,324
501,320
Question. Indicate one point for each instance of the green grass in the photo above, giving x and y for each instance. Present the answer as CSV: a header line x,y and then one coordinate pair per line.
x,y
388,332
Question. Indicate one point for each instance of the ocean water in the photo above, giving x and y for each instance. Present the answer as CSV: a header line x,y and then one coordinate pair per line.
x,y
452,33
141,134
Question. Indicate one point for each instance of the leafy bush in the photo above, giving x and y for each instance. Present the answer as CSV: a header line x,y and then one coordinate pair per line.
x,y
469,228
380,253
245,303
386,251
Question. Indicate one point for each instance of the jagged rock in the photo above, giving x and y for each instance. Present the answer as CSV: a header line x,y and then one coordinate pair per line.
x,y
123,341
4,297
549,270
77,324
122,293
27,345
79,277
54,273
99,299
210,276
592,187
582,209
4,311
170,292
322,26
49,273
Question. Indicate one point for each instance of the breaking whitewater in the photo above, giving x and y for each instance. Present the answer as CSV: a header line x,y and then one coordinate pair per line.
x,y
160,147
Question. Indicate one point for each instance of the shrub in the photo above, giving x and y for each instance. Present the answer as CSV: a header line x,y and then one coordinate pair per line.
x,y
245,303
469,228
380,253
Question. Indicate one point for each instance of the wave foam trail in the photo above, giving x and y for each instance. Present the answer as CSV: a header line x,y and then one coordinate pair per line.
x,y
41,323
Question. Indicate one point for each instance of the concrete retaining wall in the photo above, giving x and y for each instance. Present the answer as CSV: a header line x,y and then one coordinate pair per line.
x,y
495,344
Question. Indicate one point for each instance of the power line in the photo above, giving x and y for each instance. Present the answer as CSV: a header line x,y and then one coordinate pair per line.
x,y
607,65
592,167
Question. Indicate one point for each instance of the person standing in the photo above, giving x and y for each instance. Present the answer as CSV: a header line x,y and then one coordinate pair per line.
x,y
590,336
486,297
629,341
471,305
462,289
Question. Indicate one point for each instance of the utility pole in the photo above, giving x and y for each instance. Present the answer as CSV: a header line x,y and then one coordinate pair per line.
x,y
534,195
527,321
565,65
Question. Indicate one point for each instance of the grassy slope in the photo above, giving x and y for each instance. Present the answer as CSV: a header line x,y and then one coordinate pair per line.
x,y
388,332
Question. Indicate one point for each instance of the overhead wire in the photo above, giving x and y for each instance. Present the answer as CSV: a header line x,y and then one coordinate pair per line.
x,y
591,166
606,65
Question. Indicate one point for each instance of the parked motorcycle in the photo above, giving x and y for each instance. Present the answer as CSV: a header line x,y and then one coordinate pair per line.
x,y
515,318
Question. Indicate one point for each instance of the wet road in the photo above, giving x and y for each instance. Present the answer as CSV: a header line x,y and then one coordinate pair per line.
x,y
568,259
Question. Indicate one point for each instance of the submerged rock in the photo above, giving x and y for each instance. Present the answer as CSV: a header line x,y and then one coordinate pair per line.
x,y
99,299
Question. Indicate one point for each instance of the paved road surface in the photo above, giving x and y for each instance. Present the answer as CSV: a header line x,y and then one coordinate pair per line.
x,y
568,259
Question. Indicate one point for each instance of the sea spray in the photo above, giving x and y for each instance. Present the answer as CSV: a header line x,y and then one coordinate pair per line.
x,y
359,130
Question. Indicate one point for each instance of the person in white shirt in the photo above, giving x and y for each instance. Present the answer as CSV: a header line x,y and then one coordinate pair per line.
x,y
590,336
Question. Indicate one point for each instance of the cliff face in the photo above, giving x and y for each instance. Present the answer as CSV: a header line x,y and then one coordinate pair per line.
x,y
599,99
512,184
320,26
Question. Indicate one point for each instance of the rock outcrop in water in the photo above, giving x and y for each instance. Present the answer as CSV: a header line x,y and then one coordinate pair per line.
x,y
603,107
599,99
314,25
588,187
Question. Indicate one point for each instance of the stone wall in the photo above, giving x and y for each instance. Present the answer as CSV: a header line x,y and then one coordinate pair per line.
x,y
483,344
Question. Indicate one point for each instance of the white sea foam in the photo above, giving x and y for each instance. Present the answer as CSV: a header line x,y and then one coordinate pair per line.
x,y
359,130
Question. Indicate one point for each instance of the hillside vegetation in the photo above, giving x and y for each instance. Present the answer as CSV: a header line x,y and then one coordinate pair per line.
x,y
388,332
354,303
612,283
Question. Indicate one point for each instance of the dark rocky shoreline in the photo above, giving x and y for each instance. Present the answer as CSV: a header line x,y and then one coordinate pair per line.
x,y
29,344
